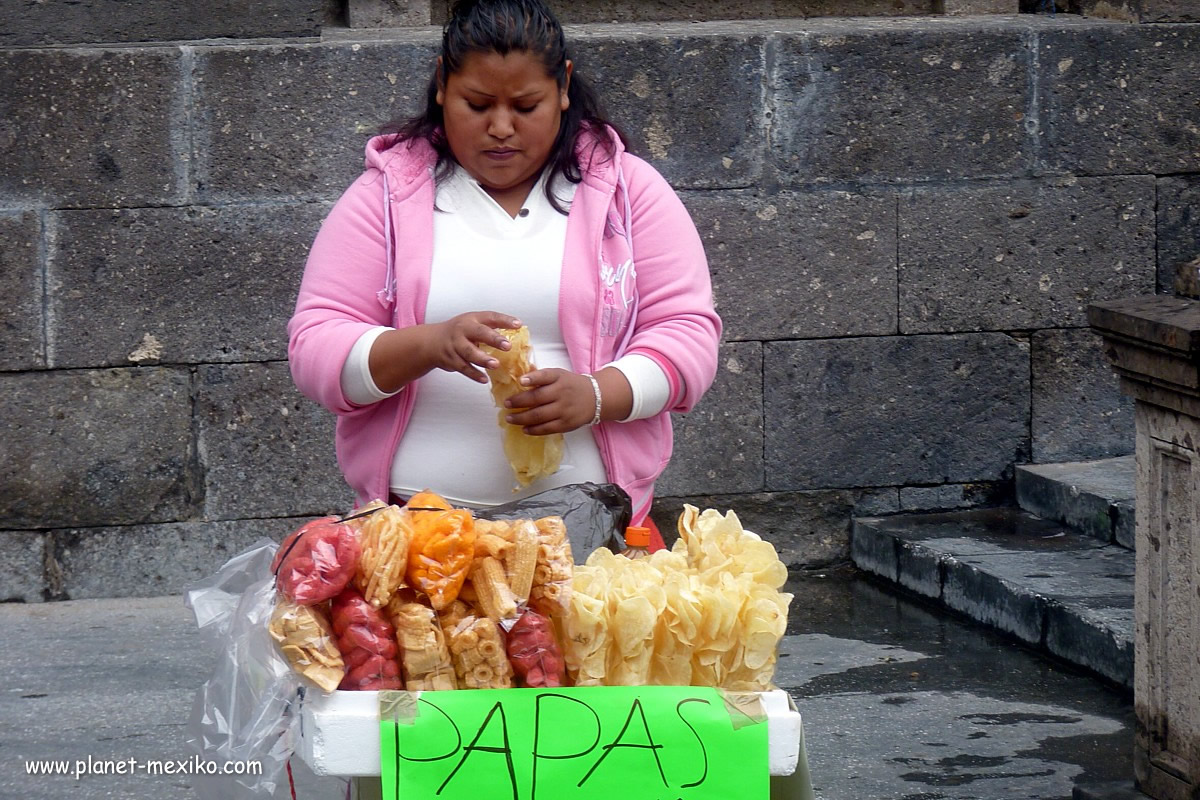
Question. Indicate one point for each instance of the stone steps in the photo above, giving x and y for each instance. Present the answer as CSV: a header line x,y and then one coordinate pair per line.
x,y
1051,587
1094,497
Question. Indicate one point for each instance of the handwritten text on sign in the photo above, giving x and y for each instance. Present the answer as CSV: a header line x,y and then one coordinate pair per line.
x,y
631,743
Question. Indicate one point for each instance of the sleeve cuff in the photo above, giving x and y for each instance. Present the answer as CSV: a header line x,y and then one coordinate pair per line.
x,y
357,383
651,388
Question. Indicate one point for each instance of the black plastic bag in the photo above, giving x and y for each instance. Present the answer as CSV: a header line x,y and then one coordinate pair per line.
x,y
596,514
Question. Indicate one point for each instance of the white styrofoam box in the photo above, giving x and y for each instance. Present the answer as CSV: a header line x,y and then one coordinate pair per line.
x,y
339,732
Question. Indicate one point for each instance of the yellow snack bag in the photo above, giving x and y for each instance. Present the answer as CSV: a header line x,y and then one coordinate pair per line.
x,y
531,457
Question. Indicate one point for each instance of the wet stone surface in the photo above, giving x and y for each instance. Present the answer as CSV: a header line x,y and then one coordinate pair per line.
x,y
901,702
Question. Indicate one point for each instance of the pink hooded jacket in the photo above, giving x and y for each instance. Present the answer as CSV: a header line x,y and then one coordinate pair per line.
x,y
370,265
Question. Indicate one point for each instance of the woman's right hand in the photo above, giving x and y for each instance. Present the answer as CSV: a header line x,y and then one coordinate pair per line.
x,y
453,345
401,356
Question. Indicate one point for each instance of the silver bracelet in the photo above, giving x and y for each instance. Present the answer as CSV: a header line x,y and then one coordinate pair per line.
x,y
596,391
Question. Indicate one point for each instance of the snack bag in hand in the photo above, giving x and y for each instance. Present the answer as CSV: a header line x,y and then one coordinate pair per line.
x,y
534,654
441,550
316,561
367,642
531,457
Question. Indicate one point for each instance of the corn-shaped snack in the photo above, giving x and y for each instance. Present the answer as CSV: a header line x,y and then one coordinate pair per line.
x,y
423,651
305,638
479,656
551,589
494,596
531,457
521,560
442,548
384,536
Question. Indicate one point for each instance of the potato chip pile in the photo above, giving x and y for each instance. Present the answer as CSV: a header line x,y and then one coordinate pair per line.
x,y
708,612
531,457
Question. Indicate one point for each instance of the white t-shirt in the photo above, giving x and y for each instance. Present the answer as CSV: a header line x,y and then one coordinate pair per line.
x,y
486,260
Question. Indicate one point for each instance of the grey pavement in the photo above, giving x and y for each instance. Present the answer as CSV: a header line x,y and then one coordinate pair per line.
x,y
899,702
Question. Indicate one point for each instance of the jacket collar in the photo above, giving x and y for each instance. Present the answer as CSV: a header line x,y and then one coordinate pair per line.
x,y
409,164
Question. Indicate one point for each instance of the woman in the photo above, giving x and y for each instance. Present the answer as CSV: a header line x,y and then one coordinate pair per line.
x,y
509,191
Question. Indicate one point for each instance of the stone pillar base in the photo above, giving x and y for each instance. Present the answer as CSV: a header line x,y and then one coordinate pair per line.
x,y
1154,345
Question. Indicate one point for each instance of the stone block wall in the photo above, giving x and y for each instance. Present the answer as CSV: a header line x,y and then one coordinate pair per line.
x,y
905,220
398,13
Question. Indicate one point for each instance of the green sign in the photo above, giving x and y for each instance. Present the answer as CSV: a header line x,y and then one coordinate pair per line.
x,y
611,742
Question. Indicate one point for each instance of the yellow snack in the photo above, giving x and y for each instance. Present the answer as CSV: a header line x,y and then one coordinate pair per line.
x,y
385,538
585,626
521,560
478,654
489,544
491,587
423,648
451,615
531,457
708,613
305,638
551,588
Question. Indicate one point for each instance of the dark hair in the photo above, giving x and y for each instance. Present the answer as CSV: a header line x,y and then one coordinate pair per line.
x,y
504,26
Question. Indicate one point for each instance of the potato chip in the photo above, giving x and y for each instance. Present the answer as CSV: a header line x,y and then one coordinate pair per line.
x,y
531,457
708,612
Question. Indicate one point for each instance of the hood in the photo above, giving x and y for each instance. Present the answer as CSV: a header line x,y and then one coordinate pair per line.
x,y
408,161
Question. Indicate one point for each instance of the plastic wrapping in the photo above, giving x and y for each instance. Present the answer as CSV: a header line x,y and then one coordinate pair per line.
x,y
367,642
244,711
480,659
316,561
440,555
305,638
551,591
595,514
423,651
531,457
708,612
384,534
534,653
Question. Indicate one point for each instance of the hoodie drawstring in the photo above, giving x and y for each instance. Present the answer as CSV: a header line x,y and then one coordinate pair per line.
x,y
630,277
387,295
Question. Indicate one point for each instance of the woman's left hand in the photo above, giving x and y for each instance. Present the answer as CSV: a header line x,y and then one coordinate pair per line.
x,y
556,401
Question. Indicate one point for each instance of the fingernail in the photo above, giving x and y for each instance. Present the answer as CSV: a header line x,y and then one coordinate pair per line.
x,y
509,419
523,380
516,323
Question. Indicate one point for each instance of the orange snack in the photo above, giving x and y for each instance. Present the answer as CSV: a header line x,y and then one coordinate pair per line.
x,y
441,550
427,500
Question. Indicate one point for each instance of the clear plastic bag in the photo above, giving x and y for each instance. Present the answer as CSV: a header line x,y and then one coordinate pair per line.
x,y
316,561
534,653
367,642
246,711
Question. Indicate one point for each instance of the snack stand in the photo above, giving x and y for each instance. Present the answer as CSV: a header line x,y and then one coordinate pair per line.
x,y
422,652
